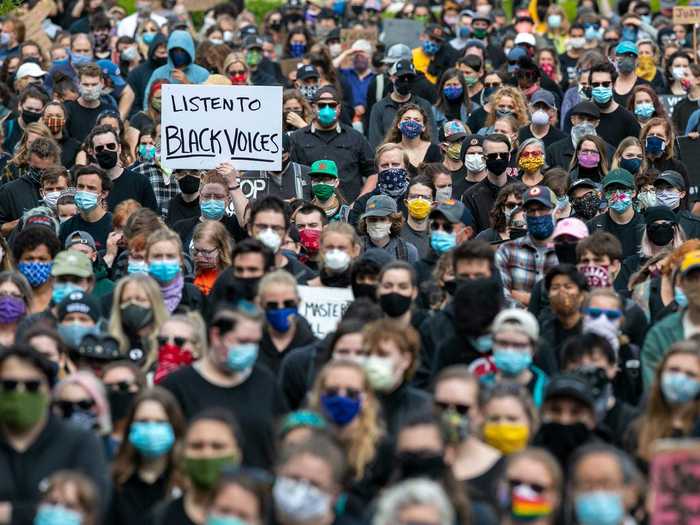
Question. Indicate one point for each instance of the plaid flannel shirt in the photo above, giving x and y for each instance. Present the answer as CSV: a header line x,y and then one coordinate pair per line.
x,y
521,264
164,186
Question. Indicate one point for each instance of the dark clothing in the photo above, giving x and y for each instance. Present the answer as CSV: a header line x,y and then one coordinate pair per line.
x,y
17,197
455,350
139,76
380,86
622,99
302,273
298,370
460,184
425,266
421,240
272,357
170,513
630,234
477,119
293,183
12,132
185,229
479,199
60,446
99,230
81,120
616,126
132,501
681,114
256,403
434,330
690,224
132,185
179,209
344,145
552,338
358,208
618,420
69,149
402,402
384,112
552,136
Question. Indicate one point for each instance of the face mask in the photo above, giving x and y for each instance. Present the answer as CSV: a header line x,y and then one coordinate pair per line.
x,y
179,57
669,198
660,234
270,239
364,290
511,362
443,194
130,54
654,145
554,21
394,304
327,116
645,199
430,47
78,60
214,519
678,388
531,164
61,290
213,209
135,317
57,515
540,118
418,208
281,318
678,73
341,410
164,271
51,198
588,160
107,159
297,49
402,87
156,104
119,404
587,206
604,327
599,507
90,94
464,32
454,151
335,49
420,465
152,438
506,437
580,130
147,152
576,43
442,242
474,162
189,184
242,357
55,124
72,334
454,426
205,472
541,227
680,298
137,267
596,276
336,260
626,65
86,201
562,440
12,309
310,240
566,252
410,129
22,410
380,373
453,92
253,59
392,182
323,191
378,230
503,113
299,501
619,201
30,117
83,419
497,166
644,110
480,32
525,504
631,165
483,343
37,273
593,33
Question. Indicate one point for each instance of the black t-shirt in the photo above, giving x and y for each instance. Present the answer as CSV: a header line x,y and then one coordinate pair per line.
x,y
256,403
132,185
271,357
133,500
69,149
623,99
179,209
81,120
618,125
459,182
171,513
99,230
629,235
568,67
552,136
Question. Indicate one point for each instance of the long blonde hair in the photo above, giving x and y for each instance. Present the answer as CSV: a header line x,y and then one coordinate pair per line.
x,y
520,114
361,446
21,153
160,314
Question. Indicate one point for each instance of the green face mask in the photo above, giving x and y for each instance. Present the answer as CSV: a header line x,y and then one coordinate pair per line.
x,y
479,32
253,58
204,472
21,410
471,80
421,18
323,191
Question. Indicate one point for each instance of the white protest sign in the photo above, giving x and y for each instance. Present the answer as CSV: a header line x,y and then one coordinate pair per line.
x,y
203,126
323,307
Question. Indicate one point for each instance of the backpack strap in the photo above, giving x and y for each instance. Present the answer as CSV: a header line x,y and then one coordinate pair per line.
x,y
401,250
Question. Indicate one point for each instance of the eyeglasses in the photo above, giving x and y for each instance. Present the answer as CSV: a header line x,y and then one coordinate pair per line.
x,y
279,230
497,156
178,341
536,487
445,226
201,251
10,385
112,146
528,154
322,105
462,410
492,84
612,315
352,393
607,83
121,386
68,407
289,303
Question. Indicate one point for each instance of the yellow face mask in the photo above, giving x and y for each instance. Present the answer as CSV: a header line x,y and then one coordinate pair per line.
x,y
646,68
506,437
418,208
531,164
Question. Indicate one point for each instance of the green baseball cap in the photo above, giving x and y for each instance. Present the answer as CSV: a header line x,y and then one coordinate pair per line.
x,y
324,167
72,262
619,176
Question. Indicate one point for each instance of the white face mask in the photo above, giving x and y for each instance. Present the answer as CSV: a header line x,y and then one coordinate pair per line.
x,y
380,373
270,239
378,230
445,193
474,162
299,501
51,198
336,260
335,50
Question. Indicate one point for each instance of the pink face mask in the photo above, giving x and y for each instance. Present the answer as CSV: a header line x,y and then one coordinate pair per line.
x,y
588,160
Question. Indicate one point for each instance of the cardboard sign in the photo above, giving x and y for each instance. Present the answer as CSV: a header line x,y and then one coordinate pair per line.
x,y
203,126
686,14
675,482
323,307
669,102
201,5
33,23
288,65
349,36
689,153
400,31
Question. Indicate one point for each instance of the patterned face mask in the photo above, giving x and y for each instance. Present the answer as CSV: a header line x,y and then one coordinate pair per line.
x,y
393,182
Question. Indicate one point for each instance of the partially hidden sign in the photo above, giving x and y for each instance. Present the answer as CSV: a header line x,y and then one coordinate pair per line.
x,y
324,307
203,126
675,482
686,14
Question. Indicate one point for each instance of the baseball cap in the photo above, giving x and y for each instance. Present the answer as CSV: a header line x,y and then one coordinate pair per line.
x,y
545,97
379,206
469,141
673,178
253,42
584,183
517,320
403,67
307,71
586,108
249,30
690,262
525,38
572,386
29,69
619,176
516,54
377,256
362,45
79,302
397,52
112,70
659,213
454,211
571,226
72,262
80,237
482,16
376,5
330,90
324,167
626,47
454,130
541,194
435,31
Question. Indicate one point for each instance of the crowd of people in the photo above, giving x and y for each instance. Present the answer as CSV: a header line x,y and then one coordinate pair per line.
x,y
505,197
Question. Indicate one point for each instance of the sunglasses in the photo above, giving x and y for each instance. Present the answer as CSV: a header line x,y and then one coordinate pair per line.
x,y
322,105
536,487
178,341
462,410
497,156
68,407
10,385
289,303
612,315
352,393
492,84
112,146
237,72
601,84
447,227
120,386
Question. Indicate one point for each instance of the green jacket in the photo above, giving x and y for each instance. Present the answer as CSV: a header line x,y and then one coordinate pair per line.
x,y
662,335
103,285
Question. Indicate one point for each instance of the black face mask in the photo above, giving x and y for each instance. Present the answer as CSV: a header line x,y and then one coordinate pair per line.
x,y
107,159
566,252
516,233
562,440
357,9
497,166
135,317
420,464
364,290
334,279
189,184
450,286
157,62
276,26
243,288
402,87
395,304
660,234
119,404
30,116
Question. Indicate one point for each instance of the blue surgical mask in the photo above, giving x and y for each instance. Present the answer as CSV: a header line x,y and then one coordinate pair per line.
x,y
511,362
442,242
680,297
86,201
280,318
137,267
79,60
599,507
326,116
61,290
602,94
341,410
540,227
644,110
164,271
148,38
72,334
214,519
483,343
213,209
241,357
678,388
37,273
464,32
57,515
152,438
